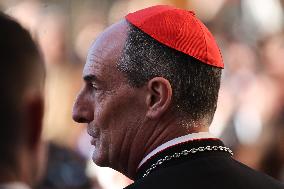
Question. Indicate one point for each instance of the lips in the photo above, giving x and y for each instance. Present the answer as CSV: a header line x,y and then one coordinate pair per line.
x,y
93,141
93,133
93,138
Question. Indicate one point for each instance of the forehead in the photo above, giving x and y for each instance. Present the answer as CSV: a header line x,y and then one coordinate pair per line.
x,y
106,50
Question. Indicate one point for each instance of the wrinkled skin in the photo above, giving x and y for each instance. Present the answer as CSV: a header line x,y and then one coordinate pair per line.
x,y
125,123
113,110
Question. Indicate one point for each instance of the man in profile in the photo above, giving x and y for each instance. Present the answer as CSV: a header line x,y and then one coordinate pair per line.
x,y
150,94
21,106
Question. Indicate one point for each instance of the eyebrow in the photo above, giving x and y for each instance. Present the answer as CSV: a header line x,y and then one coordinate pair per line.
x,y
90,78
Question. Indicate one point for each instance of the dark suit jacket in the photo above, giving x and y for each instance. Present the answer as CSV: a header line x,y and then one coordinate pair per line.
x,y
208,169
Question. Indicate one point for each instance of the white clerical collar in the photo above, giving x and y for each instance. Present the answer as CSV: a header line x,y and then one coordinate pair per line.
x,y
175,141
14,185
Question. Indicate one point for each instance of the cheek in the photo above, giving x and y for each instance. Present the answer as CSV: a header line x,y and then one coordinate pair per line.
x,y
125,120
118,114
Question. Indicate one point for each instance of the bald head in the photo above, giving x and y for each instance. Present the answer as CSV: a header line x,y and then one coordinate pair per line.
x,y
110,42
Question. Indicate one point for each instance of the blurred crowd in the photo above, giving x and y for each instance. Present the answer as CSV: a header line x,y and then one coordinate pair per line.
x,y
250,113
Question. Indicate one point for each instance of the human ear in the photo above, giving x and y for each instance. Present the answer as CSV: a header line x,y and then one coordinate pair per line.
x,y
34,107
159,97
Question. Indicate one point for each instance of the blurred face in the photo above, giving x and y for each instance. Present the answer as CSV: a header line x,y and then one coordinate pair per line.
x,y
112,109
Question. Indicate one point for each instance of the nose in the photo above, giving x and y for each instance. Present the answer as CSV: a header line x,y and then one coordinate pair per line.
x,y
82,109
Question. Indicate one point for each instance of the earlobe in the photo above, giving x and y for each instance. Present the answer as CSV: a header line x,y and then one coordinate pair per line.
x,y
159,97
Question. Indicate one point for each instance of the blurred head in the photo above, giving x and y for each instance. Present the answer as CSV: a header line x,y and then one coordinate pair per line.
x,y
21,110
139,93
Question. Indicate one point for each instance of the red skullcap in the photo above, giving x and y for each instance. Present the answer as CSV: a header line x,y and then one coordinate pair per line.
x,y
180,30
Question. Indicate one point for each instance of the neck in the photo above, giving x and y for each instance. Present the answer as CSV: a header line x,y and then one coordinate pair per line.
x,y
7,174
155,135
17,171
177,141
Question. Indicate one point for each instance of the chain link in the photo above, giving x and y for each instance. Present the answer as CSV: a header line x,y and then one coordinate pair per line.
x,y
185,153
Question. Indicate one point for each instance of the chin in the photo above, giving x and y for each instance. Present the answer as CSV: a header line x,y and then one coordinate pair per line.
x,y
100,159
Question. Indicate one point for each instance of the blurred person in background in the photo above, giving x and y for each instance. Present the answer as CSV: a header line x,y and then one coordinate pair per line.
x,y
21,107
48,24
149,98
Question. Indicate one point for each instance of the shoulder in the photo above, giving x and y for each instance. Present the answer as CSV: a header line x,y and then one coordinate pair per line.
x,y
214,173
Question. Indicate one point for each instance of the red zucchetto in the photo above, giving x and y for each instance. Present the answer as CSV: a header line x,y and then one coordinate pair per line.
x,y
180,30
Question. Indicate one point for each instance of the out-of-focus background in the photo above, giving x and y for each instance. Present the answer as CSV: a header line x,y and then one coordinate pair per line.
x,y
250,114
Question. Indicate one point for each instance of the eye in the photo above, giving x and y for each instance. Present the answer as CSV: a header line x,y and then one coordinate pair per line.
x,y
93,85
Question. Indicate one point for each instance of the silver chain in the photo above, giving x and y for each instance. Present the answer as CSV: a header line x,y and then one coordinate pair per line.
x,y
185,153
